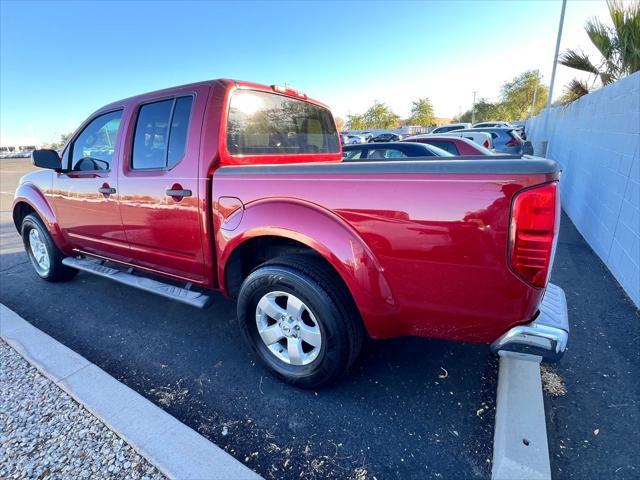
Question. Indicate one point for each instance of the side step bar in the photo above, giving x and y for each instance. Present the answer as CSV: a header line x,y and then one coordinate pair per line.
x,y
190,297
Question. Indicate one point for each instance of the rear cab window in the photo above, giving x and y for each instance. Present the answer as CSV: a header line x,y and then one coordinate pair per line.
x,y
264,123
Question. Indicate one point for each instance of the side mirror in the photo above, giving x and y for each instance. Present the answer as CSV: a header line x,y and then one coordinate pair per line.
x,y
46,158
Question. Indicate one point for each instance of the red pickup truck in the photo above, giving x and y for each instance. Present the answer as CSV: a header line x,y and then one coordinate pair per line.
x,y
240,188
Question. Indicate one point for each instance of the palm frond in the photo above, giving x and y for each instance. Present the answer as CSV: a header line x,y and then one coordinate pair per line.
x,y
578,60
573,91
602,38
606,78
626,30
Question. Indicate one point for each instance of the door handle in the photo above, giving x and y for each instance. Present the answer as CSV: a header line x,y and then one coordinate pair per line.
x,y
178,192
107,190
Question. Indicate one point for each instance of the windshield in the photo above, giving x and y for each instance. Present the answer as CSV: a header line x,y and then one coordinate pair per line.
x,y
262,123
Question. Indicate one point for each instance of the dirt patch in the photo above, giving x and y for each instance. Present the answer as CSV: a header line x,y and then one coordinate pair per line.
x,y
552,382
167,396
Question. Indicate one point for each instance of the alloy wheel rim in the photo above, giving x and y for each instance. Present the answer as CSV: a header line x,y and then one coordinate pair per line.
x,y
39,251
288,328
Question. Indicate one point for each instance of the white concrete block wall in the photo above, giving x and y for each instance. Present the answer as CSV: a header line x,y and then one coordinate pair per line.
x,y
597,141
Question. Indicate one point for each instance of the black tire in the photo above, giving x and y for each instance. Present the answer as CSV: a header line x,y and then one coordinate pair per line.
x,y
323,292
56,272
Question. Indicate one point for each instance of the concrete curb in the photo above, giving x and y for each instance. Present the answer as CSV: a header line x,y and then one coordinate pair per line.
x,y
520,448
175,449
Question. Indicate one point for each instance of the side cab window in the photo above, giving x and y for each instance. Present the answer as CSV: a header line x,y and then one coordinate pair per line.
x,y
160,136
92,150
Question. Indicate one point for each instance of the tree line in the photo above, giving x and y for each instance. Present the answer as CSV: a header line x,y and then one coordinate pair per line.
x,y
380,115
516,102
520,98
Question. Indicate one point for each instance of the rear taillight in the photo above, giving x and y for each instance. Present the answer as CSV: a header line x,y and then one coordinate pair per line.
x,y
535,219
486,144
514,142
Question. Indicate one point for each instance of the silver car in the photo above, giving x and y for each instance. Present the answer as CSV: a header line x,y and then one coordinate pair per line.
x,y
505,139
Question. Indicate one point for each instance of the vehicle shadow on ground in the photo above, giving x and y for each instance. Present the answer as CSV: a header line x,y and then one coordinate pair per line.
x,y
410,407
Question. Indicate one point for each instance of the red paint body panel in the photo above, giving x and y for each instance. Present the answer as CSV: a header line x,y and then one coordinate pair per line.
x,y
35,191
422,254
427,257
164,233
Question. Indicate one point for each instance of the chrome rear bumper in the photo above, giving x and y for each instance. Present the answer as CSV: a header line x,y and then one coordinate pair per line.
x,y
547,335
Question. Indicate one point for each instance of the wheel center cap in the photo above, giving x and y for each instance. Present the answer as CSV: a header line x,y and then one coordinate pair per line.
x,y
286,328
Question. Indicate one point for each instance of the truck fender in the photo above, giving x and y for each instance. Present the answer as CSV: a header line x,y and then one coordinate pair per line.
x,y
324,232
31,196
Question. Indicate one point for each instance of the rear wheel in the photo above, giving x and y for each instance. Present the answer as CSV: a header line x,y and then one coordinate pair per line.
x,y
298,318
45,256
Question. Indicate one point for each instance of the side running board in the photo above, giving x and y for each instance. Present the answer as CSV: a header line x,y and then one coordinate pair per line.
x,y
190,297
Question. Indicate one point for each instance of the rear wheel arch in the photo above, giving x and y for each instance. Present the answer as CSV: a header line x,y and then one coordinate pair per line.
x,y
333,318
291,226
262,250
257,250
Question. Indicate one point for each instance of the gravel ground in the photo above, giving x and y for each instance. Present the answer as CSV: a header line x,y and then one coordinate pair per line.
x,y
44,433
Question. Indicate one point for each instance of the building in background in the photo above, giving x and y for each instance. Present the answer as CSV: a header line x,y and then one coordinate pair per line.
x,y
19,144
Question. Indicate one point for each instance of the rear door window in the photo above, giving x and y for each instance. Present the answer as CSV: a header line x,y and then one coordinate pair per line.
x,y
352,154
445,145
161,134
379,153
261,123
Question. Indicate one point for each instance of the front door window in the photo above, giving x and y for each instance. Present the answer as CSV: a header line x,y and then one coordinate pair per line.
x,y
93,149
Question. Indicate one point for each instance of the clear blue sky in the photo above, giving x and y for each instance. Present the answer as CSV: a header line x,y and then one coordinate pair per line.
x,y
59,61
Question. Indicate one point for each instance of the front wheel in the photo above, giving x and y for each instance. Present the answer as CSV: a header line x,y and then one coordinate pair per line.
x,y
298,318
45,256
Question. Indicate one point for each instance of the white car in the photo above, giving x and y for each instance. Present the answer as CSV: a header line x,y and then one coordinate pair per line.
x,y
355,139
450,128
493,124
483,139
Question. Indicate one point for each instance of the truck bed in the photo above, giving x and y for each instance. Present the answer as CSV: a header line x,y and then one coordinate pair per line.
x,y
429,237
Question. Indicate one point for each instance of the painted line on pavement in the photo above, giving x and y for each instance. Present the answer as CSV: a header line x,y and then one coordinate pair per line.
x,y
175,449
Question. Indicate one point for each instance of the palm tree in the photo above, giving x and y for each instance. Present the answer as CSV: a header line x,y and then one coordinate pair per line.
x,y
619,47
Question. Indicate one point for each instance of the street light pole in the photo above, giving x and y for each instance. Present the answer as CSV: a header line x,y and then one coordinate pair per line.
x,y
545,143
535,93
473,109
555,56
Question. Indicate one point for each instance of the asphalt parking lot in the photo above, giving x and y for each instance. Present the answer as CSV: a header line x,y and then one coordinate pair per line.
x,y
411,408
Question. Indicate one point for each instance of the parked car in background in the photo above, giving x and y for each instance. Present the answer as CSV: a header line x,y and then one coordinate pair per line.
x,y
492,124
481,138
453,144
519,126
386,137
21,154
450,128
355,139
391,150
505,140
